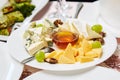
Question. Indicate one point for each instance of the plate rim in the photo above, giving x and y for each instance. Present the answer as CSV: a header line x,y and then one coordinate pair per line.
x,y
86,72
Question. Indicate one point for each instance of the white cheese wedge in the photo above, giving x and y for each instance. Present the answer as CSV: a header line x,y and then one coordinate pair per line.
x,y
36,30
36,46
91,33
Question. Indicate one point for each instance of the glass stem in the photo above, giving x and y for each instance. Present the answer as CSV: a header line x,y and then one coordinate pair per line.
x,y
65,5
60,10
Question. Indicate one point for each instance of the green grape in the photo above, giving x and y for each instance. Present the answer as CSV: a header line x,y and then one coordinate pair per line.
x,y
96,44
40,56
97,28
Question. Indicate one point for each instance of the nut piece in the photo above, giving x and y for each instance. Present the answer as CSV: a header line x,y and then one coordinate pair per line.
x,y
56,22
101,40
51,60
103,34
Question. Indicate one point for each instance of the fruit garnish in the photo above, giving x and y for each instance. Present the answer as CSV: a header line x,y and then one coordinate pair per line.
x,y
96,44
97,28
40,56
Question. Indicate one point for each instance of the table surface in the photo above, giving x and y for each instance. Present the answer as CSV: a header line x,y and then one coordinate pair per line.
x,y
30,70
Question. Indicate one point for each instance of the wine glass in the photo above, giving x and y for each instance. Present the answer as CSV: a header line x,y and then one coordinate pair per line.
x,y
61,10
65,5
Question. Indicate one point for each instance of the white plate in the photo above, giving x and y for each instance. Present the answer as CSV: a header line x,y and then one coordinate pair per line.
x,y
9,68
93,73
17,50
39,5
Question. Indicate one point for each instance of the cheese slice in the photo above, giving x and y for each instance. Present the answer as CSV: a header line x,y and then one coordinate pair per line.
x,y
74,28
64,27
65,60
69,52
91,54
86,46
94,53
57,56
50,55
98,51
80,51
83,59
91,33
36,46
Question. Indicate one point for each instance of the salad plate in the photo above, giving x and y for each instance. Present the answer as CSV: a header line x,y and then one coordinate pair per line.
x,y
39,5
9,68
94,73
19,52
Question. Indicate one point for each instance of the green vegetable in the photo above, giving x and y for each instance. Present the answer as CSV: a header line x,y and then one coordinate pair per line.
x,y
8,9
16,11
96,44
97,28
40,56
7,20
12,1
3,22
25,8
4,32
15,16
18,1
